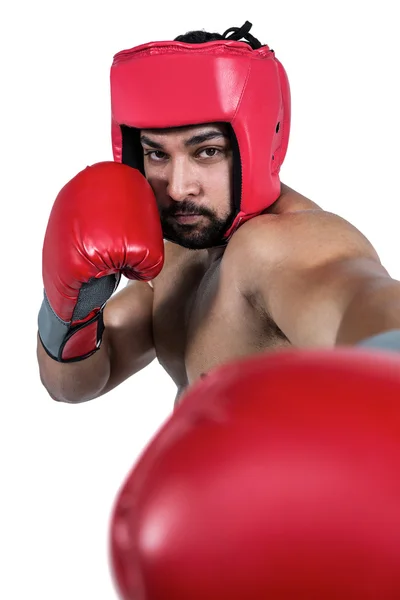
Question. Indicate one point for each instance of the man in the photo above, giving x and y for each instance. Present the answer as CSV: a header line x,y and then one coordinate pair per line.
x,y
252,488
248,266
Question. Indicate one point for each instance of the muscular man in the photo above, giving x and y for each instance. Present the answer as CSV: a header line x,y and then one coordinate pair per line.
x,y
242,263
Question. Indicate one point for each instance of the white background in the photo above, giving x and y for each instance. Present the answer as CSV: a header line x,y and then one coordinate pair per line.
x,y
61,465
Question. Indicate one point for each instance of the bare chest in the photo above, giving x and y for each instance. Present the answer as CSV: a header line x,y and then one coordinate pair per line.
x,y
201,321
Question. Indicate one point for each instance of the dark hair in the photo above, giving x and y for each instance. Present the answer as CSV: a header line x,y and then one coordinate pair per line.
x,y
235,33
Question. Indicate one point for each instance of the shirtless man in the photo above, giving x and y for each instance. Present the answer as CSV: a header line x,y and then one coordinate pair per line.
x,y
241,264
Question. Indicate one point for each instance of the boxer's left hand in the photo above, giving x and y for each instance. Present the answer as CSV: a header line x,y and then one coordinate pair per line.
x,y
277,477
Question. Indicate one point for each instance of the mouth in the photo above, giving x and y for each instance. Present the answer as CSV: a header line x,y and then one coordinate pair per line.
x,y
188,218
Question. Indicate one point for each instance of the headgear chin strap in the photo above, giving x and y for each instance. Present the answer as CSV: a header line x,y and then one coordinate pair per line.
x,y
175,84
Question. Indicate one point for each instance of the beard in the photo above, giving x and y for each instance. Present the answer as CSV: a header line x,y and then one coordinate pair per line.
x,y
207,232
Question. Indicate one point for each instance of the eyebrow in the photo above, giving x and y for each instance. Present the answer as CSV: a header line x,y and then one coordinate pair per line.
x,y
205,137
193,141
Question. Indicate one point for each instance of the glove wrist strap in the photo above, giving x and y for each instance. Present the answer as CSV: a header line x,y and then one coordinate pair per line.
x,y
65,342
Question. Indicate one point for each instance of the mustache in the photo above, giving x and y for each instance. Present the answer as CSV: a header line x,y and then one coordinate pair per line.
x,y
186,208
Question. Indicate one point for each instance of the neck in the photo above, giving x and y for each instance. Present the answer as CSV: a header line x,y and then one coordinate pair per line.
x,y
215,254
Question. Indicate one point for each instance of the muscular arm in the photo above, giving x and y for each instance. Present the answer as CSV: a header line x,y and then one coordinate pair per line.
x,y
317,277
127,347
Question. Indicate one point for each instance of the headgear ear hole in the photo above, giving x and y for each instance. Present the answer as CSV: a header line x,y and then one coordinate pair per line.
x,y
277,127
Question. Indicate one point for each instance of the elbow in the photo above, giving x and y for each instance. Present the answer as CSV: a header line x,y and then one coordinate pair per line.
x,y
62,398
68,399
56,395
59,395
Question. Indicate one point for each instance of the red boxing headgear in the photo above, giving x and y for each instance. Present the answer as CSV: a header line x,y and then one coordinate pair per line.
x,y
173,84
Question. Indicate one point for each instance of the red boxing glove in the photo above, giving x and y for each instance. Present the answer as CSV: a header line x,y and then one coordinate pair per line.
x,y
277,478
104,222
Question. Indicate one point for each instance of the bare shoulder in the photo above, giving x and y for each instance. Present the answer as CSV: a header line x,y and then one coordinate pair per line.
x,y
291,201
302,238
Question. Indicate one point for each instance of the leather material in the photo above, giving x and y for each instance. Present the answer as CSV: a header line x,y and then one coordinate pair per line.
x,y
170,84
277,477
104,223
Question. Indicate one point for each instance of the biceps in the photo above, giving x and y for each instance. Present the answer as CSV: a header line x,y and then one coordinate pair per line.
x,y
309,305
128,331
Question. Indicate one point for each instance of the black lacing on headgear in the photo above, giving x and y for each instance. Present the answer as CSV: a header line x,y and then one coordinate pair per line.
x,y
238,33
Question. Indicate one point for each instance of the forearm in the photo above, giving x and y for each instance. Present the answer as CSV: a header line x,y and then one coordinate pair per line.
x,y
78,381
373,309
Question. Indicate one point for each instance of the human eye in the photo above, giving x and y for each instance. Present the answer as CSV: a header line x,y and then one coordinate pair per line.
x,y
155,155
210,152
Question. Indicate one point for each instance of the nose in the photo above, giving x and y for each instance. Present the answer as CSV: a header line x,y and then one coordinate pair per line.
x,y
182,181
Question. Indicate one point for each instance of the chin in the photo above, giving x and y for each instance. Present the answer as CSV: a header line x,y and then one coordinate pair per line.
x,y
191,239
195,238
193,242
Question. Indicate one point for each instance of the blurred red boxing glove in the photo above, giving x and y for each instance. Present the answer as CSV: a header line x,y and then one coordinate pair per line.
x,y
104,223
276,478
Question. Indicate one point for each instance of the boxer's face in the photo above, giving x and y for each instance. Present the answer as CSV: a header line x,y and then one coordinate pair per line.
x,y
190,171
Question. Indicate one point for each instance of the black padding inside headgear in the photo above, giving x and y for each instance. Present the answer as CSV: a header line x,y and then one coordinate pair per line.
x,y
132,151
236,170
